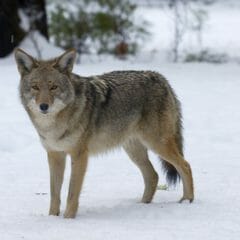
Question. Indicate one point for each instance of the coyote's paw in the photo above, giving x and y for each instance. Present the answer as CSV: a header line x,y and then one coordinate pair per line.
x,y
71,211
69,214
54,212
190,199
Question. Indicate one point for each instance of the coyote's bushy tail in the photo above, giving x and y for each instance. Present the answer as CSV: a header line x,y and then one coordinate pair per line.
x,y
172,175
171,172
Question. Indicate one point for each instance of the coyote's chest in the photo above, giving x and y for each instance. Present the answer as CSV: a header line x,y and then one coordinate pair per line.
x,y
55,136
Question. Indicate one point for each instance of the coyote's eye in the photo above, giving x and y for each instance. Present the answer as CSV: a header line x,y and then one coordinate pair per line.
x,y
36,88
54,87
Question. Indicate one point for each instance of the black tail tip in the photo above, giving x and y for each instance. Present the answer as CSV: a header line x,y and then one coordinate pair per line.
x,y
172,175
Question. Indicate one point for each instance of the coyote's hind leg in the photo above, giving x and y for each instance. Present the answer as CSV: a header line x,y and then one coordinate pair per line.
x,y
138,154
170,153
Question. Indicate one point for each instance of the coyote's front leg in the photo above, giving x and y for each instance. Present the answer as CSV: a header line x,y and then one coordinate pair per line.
x,y
78,169
56,162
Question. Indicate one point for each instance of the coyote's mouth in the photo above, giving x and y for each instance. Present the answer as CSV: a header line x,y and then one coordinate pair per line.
x,y
44,112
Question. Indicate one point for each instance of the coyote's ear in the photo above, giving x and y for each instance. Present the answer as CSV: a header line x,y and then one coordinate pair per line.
x,y
24,61
65,62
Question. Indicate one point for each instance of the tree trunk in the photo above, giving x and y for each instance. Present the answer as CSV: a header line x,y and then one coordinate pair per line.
x,y
12,34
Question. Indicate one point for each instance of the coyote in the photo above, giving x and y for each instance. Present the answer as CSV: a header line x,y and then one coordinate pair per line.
x,y
81,116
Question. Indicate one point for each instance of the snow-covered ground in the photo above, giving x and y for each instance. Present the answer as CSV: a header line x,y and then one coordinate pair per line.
x,y
220,30
109,204
109,207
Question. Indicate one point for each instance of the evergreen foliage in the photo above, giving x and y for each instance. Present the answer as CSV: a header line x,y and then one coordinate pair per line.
x,y
100,26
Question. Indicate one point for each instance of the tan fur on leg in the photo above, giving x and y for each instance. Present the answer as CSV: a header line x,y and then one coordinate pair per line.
x,y
171,154
138,154
56,162
78,169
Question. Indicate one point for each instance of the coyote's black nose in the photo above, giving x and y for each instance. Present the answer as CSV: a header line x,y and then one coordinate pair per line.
x,y
44,107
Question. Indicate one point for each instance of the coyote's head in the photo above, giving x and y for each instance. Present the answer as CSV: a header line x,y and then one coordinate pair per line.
x,y
45,86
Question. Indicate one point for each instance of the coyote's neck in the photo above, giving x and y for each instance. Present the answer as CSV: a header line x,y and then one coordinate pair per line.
x,y
44,122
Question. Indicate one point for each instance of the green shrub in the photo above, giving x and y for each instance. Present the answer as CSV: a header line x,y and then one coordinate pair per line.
x,y
103,26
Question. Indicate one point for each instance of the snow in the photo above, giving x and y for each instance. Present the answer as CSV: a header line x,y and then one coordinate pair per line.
x,y
109,203
109,206
219,35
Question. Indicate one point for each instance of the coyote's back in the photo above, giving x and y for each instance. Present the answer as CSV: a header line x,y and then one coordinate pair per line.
x,y
129,104
87,115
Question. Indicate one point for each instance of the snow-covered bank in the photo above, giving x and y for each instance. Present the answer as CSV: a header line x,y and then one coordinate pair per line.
x,y
220,32
109,207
